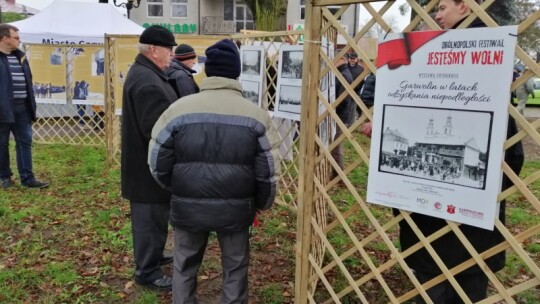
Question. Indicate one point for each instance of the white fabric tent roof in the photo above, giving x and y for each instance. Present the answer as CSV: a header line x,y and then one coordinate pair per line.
x,y
68,22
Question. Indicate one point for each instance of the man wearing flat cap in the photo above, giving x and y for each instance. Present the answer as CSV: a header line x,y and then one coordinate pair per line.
x,y
218,154
181,70
147,93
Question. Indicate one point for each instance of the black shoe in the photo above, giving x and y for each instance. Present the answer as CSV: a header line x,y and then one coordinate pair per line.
x,y
34,183
166,259
163,283
7,182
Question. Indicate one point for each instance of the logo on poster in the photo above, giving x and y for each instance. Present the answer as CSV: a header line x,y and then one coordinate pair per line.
x,y
437,205
471,213
451,209
422,202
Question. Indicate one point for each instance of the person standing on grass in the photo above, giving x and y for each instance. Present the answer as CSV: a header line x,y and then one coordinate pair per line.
x,y
449,248
523,91
218,154
356,69
147,93
17,109
181,70
346,111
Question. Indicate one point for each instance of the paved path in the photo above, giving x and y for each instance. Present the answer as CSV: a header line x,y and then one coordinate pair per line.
x,y
532,112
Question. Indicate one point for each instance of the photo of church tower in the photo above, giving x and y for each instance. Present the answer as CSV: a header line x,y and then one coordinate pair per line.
x,y
450,146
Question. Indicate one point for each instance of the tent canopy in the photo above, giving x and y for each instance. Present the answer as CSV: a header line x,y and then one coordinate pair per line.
x,y
69,22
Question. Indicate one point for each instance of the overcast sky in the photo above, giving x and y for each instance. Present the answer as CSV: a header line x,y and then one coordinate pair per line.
x,y
41,4
364,15
465,124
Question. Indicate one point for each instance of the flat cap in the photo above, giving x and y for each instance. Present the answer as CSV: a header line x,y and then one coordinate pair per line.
x,y
157,35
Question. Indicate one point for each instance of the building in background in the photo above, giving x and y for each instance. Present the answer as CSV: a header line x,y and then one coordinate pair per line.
x,y
296,12
10,6
215,17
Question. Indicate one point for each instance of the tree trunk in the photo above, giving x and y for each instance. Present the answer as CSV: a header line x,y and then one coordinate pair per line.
x,y
268,15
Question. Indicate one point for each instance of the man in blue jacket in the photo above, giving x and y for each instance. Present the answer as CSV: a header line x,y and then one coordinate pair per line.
x,y
17,109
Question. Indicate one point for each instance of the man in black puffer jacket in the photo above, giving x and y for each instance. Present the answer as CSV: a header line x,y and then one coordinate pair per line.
x,y
218,155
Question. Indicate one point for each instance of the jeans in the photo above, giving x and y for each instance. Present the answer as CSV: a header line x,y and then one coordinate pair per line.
x,y
22,131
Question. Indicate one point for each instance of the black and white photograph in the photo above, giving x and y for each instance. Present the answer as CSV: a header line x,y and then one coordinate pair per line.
x,y
289,99
444,145
251,62
324,131
250,90
289,82
291,64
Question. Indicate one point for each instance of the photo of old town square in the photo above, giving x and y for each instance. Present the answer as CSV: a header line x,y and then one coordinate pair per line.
x,y
444,145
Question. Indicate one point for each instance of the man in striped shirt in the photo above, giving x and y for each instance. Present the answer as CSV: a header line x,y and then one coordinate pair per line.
x,y
17,109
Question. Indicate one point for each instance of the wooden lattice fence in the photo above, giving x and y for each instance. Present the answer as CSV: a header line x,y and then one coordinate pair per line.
x,y
62,118
348,250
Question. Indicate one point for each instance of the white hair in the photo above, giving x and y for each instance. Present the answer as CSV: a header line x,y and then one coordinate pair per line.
x,y
143,48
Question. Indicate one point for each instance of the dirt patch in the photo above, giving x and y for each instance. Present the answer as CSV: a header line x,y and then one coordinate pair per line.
x,y
532,149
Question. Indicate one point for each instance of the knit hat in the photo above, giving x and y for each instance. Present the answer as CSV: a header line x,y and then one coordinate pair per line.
x,y
184,52
157,35
223,60
353,55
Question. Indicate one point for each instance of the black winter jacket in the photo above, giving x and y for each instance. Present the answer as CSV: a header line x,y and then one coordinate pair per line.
x,y
6,88
147,93
449,247
219,156
356,70
345,110
368,91
184,78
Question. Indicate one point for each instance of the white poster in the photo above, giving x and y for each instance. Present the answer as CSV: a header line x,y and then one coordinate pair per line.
x,y
251,76
440,119
289,83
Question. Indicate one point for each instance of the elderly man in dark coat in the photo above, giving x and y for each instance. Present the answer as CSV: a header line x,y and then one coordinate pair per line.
x,y
147,93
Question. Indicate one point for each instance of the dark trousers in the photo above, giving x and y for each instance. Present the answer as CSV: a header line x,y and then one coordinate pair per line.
x,y
337,152
189,250
474,285
149,227
22,132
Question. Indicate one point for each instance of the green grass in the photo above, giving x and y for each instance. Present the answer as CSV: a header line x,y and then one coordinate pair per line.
x,y
71,242
272,294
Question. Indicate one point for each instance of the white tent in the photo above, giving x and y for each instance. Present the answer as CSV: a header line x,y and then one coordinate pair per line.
x,y
69,22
